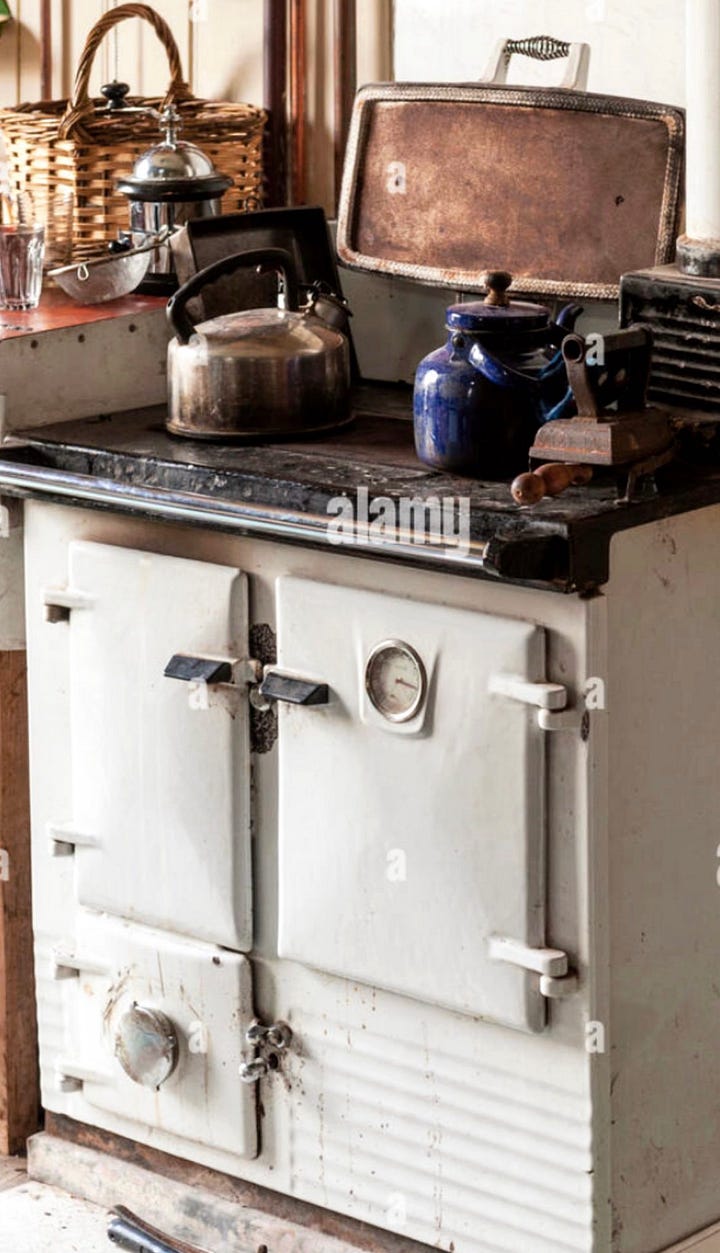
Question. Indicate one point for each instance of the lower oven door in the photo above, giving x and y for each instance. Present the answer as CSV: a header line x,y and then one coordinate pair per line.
x,y
160,821
412,803
155,1035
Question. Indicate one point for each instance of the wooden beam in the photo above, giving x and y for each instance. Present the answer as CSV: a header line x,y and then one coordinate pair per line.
x,y
298,81
275,100
19,1098
46,51
345,79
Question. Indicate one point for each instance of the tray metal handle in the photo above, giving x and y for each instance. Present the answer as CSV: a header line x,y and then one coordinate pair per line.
x,y
541,48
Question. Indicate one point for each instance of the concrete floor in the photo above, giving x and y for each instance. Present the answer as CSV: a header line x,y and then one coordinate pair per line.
x,y
37,1219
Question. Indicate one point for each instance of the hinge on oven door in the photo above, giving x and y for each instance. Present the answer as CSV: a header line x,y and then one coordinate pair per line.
x,y
69,965
64,838
556,978
550,700
60,601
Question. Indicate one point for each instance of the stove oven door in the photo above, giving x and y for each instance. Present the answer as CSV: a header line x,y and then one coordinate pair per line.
x,y
155,1036
411,804
160,827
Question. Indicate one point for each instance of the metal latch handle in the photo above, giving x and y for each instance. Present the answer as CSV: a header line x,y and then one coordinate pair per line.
x,y
556,982
541,48
286,687
199,669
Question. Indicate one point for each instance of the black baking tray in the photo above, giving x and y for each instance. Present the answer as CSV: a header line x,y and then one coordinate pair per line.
x,y
302,231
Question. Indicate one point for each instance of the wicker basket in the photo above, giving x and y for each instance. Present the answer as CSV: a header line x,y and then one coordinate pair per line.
x,y
68,144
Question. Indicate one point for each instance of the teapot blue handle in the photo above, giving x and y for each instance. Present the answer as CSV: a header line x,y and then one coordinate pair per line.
x,y
502,375
497,372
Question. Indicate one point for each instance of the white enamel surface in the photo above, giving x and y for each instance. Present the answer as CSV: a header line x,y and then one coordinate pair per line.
x,y
703,119
163,789
422,1121
399,830
664,879
206,993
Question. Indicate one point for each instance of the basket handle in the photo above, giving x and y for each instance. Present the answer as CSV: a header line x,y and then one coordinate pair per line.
x,y
80,105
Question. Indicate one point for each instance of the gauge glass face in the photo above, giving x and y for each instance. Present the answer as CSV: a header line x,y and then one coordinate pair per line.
x,y
395,680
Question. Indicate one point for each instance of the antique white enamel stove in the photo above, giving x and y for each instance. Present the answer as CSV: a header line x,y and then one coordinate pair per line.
x,y
390,887
411,950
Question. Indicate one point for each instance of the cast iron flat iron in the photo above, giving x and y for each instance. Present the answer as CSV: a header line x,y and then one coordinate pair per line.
x,y
631,437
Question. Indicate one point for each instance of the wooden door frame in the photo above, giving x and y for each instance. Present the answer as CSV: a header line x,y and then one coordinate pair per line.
x,y
19,1084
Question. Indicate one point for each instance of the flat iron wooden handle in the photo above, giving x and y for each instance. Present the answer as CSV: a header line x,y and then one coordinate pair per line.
x,y
548,480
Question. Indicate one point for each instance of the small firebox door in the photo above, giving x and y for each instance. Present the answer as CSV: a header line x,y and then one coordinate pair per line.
x,y
155,1034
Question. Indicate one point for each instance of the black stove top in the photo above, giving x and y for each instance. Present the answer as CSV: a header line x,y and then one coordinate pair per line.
x,y
128,462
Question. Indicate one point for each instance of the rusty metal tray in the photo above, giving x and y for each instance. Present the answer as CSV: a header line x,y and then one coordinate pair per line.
x,y
566,189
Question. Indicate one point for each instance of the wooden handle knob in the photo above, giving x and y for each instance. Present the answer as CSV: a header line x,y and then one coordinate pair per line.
x,y
497,283
548,480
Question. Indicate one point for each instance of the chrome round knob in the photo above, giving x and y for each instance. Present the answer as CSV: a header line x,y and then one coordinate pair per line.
x,y
146,1045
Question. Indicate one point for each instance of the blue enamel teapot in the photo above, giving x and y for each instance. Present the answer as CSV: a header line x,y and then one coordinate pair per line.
x,y
479,399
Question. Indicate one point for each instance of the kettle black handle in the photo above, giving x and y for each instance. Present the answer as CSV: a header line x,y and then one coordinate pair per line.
x,y
270,258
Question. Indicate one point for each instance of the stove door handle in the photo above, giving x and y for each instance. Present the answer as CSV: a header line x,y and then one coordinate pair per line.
x,y
199,669
287,687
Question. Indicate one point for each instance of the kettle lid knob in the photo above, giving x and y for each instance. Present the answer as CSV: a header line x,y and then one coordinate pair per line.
x,y
497,283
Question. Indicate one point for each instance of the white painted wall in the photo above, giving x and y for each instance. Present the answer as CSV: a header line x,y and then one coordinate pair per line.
x,y
637,46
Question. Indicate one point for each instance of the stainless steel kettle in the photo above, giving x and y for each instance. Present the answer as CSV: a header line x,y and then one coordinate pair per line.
x,y
262,373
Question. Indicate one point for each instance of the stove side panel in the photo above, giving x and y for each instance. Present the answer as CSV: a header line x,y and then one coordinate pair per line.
x,y
664,843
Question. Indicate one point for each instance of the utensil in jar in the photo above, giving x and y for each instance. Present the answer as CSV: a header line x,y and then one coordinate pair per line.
x,y
260,373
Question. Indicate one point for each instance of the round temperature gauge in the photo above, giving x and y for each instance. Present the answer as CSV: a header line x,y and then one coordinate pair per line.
x,y
395,680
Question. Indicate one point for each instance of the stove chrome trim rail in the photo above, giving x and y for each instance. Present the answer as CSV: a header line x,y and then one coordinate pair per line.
x,y
268,521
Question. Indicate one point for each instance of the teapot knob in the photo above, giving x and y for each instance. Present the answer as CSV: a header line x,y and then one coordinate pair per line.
x,y
497,282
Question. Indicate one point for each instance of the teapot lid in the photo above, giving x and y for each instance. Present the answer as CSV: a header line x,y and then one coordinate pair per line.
x,y
497,312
